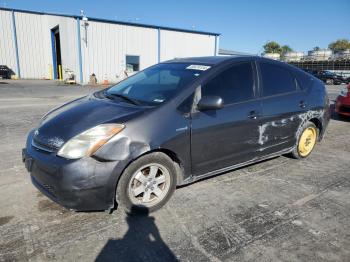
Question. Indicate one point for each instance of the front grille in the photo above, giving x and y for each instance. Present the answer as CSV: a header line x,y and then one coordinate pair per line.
x,y
45,188
344,109
49,188
43,146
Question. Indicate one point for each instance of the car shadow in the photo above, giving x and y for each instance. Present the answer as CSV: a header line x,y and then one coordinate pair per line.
x,y
336,116
142,241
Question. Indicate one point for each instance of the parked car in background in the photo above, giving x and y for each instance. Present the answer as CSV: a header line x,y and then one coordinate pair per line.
x,y
5,72
172,124
330,78
342,106
347,80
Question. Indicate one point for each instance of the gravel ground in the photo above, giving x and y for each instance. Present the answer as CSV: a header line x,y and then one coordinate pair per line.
x,y
277,210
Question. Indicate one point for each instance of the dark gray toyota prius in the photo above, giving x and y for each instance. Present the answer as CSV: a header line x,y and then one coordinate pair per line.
x,y
172,124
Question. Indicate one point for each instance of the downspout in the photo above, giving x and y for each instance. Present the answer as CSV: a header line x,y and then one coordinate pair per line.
x,y
216,45
16,44
79,51
158,45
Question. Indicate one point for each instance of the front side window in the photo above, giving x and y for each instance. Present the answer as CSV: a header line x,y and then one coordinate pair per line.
x,y
233,85
157,84
276,79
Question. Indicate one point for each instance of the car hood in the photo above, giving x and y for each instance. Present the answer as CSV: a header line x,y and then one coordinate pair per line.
x,y
69,120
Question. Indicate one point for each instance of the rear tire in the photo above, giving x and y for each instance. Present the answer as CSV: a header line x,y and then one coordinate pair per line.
x,y
306,141
147,183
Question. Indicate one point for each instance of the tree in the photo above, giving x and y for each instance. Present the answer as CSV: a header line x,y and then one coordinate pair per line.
x,y
272,47
316,48
339,45
286,49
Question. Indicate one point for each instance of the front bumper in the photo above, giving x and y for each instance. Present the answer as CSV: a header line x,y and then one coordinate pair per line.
x,y
342,106
83,184
338,81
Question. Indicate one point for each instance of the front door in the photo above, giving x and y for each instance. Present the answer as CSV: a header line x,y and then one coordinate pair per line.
x,y
228,136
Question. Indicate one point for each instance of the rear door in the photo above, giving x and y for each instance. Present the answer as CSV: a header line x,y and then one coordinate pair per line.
x,y
282,102
228,136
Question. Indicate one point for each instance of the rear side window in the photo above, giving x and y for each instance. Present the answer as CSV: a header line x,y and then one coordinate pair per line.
x,y
233,85
304,80
276,79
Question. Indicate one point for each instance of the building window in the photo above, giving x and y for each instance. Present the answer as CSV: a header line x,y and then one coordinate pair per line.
x,y
132,63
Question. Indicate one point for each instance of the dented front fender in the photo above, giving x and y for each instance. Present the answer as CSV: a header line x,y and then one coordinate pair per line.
x,y
122,148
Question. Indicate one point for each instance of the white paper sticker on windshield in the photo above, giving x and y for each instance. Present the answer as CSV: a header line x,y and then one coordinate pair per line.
x,y
198,67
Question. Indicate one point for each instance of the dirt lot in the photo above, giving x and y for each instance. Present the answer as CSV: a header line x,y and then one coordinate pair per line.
x,y
277,210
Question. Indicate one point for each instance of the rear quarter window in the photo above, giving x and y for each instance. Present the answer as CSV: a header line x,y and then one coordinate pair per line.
x,y
276,79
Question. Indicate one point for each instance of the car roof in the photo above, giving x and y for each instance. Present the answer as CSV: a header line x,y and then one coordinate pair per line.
x,y
207,60
216,60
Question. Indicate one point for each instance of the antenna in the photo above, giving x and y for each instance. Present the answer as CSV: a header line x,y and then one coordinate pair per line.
x,y
84,18
85,26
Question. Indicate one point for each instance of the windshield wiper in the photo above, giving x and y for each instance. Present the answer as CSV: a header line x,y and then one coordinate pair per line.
x,y
130,100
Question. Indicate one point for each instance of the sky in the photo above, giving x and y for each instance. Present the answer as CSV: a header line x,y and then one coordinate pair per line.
x,y
244,25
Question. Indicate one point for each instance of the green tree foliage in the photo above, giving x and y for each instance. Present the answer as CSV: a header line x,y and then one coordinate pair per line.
x,y
316,48
286,49
339,45
272,47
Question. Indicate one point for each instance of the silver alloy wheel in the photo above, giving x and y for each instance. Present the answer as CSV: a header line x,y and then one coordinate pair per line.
x,y
149,185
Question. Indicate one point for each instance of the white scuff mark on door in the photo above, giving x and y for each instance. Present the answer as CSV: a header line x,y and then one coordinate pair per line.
x,y
262,137
304,117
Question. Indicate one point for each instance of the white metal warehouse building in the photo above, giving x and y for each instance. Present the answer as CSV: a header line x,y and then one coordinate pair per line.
x,y
37,45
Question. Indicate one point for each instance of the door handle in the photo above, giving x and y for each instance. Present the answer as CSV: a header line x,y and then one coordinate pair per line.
x,y
253,115
302,104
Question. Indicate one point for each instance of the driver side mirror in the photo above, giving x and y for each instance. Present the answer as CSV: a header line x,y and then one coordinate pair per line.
x,y
210,103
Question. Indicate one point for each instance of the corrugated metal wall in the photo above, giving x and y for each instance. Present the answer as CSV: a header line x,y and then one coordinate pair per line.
x,y
103,45
7,46
181,44
107,45
34,43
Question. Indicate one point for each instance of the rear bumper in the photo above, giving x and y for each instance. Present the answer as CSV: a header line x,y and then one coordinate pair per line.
x,y
83,184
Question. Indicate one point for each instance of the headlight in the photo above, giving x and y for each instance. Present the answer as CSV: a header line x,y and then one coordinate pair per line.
x,y
87,143
344,91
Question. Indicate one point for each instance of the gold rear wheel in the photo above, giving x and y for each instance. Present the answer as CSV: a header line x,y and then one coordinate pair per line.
x,y
307,141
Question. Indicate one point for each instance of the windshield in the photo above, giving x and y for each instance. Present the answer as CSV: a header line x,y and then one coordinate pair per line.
x,y
157,84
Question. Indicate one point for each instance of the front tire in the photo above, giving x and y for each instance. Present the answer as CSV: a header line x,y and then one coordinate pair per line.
x,y
306,141
330,82
147,183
